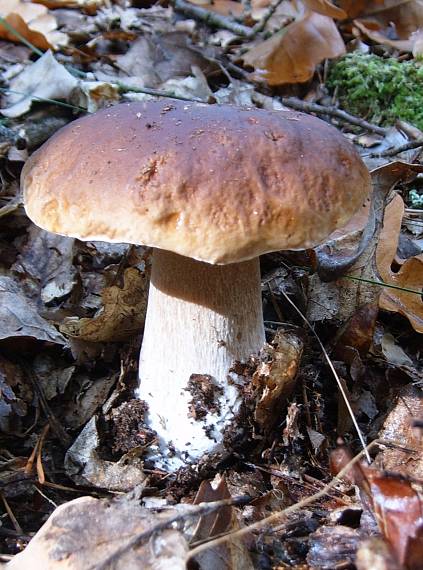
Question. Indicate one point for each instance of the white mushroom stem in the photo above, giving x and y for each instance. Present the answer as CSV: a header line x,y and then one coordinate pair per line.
x,y
201,318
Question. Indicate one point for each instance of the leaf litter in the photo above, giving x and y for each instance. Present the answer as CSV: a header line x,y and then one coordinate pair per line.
x,y
72,313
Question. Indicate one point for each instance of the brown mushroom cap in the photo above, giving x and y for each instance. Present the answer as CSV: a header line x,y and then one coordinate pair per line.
x,y
216,183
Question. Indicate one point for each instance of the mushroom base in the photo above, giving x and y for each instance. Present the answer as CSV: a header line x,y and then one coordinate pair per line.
x,y
200,319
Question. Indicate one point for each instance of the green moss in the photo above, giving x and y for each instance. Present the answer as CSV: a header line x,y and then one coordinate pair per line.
x,y
380,90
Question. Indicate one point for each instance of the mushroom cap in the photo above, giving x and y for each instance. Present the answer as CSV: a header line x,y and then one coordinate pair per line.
x,y
217,183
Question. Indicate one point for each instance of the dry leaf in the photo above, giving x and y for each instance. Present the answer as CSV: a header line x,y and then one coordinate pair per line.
x,y
275,376
44,79
233,553
410,274
122,315
291,55
88,6
33,22
326,8
83,533
19,317
224,7
387,22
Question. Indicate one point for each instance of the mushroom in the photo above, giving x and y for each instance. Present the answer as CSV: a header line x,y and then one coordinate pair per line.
x,y
211,188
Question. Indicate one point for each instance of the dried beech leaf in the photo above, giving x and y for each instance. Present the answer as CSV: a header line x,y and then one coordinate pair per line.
x,y
19,317
410,274
291,55
326,8
33,22
44,79
122,315
381,37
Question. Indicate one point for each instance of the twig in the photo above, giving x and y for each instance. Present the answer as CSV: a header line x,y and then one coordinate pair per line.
x,y
285,512
393,151
213,19
11,515
123,87
300,105
197,510
259,27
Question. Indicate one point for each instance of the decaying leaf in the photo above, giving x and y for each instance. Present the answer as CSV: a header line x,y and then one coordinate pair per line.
x,y
19,317
410,274
275,376
44,79
233,553
224,7
33,22
291,55
94,95
85,532
396,504
405,456
84,464
45,265
122,315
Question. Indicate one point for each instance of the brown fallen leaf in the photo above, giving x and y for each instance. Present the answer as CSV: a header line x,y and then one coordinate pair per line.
x,y
326,8
389,22
233,553
410,274
33,22
396,504
122,315
88,6
291,55
224,7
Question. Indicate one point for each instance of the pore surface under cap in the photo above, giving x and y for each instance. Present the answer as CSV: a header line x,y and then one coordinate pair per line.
x,y
217,183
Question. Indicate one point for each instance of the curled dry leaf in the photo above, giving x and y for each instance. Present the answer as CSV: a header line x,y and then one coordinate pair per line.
x,y
122,315
389,22
291,55
44,79
33,22
410,274
275,376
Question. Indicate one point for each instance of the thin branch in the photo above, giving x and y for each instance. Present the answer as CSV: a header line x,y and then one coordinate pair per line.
x,y
213,19
394,151
123,87
343,116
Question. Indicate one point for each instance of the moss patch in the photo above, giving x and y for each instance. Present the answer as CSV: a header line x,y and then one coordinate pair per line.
x,y
381,90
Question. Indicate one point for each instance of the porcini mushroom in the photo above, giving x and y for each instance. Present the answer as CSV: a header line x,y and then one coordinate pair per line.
x,y
210,188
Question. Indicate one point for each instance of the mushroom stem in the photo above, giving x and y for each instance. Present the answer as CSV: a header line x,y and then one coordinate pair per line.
x,y
200,319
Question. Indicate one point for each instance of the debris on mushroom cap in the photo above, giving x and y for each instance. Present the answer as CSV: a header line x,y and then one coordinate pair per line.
x,y
217,183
